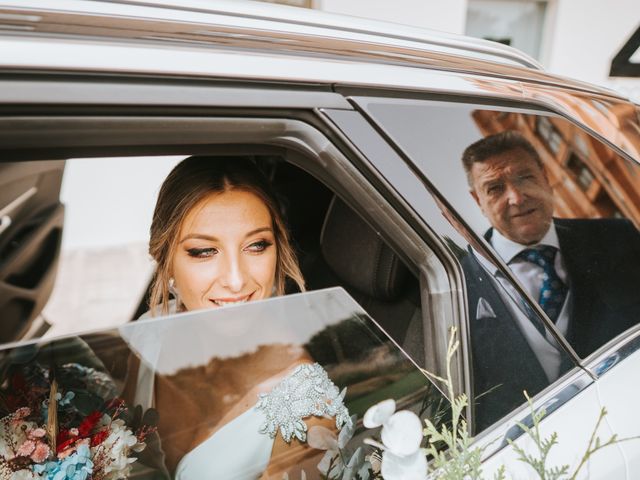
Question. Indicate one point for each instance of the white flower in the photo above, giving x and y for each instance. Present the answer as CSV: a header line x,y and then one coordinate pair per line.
x,y
118,444
379,413
401,435
410,467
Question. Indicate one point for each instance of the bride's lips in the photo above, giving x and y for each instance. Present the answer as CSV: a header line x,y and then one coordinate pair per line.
x,y
221,302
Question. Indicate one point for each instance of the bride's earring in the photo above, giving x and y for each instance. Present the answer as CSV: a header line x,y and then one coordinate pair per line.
x,y
172,288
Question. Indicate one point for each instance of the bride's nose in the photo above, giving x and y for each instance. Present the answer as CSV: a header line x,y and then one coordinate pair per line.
x,y
234,274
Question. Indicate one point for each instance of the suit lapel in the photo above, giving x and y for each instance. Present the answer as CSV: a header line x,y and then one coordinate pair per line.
x,y
497,335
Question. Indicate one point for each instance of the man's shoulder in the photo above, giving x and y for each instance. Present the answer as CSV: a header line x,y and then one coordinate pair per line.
x,y
594,225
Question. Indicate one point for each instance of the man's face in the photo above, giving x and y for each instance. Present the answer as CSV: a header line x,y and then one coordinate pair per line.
x,y
514,194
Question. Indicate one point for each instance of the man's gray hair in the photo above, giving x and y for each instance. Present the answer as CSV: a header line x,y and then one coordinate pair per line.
x,y
495,145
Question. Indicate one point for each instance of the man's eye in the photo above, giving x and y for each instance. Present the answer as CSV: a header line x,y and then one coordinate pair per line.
x,y
201,252
494,189
259,246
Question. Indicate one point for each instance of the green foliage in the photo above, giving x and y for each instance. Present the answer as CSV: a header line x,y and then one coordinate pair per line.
x,y
462,461
539,462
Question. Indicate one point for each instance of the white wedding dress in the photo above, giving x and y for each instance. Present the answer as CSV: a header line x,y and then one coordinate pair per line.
x,y
241,449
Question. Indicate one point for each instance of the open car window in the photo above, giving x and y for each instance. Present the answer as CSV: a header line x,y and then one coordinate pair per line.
x,y
197,376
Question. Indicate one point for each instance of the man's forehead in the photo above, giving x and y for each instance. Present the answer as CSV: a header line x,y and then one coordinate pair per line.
x,y
505,163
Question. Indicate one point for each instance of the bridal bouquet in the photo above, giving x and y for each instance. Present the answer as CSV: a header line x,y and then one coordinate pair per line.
x,y
69,427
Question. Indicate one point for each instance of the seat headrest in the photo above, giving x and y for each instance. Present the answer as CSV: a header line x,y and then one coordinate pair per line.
x,y
358,256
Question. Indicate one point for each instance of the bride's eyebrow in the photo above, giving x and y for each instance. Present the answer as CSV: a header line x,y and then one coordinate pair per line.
x,y
259,230
198,236
202,236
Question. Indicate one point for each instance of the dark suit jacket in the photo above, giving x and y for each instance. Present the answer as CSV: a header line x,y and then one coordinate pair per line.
x,y
602,259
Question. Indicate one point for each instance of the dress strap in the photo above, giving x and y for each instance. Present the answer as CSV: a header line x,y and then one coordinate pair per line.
x,y
304,392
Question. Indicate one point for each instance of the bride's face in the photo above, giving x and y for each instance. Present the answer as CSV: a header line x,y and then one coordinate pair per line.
x,y
226,252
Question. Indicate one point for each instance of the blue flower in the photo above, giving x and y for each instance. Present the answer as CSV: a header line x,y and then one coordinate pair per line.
x,y
77,466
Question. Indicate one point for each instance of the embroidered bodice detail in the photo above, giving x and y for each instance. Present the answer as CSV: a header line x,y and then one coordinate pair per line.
x,y
304,392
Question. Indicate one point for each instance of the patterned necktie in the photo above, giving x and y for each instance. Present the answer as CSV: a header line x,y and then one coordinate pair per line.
x,y
553,292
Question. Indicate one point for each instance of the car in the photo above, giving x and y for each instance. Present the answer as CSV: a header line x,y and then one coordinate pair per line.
x,y
361,126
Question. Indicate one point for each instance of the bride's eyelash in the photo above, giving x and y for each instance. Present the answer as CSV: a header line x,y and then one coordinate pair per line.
x,y
201,252
259,246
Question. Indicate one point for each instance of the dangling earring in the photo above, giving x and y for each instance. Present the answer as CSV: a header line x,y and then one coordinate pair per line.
x,y
172,287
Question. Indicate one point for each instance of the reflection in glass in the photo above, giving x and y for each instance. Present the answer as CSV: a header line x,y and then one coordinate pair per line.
x,y
595,258
197,377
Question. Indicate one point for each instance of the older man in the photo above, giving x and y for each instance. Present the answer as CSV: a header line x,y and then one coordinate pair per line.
x,y
584,273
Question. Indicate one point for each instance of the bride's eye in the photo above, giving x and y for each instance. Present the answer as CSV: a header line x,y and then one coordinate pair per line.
x,y
202,252
259,246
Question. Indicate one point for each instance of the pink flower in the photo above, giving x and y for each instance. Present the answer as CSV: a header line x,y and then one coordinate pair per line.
x,y
37,433
26,448
22,412
41,452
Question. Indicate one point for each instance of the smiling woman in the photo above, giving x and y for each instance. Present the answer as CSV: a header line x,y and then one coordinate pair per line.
x,y
218,237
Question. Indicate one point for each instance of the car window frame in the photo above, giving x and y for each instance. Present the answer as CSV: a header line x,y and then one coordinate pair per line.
x,y
294,132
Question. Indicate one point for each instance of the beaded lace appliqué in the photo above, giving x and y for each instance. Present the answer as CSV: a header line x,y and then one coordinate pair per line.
x,y
306,391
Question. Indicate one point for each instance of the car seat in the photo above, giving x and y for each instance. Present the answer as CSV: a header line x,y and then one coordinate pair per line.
x,y
354,256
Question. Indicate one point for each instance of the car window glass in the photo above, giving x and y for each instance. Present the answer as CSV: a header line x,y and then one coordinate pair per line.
x,y
201,371
586,186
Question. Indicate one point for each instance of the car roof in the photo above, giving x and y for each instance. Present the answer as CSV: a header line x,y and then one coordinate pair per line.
x,y
278,42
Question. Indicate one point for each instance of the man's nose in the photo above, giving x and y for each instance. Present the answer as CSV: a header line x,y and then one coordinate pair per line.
x,y
515,196
234,276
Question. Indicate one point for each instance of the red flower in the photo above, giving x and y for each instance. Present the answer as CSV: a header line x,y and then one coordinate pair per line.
x,y
64,445
99,437
88,423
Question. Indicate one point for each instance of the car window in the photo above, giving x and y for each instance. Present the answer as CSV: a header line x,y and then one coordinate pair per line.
x,y
557,172
197,377
345,232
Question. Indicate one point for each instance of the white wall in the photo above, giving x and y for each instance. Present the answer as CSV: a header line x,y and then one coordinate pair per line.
x,y
586,35
443,15
110,201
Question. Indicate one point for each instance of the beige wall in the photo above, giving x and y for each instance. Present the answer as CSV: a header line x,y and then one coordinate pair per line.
x,y
443,15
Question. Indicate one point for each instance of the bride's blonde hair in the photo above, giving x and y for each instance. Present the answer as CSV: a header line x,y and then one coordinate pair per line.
x,y
189,182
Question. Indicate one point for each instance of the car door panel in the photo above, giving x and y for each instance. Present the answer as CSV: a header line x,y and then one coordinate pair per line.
x,y
618,391
574,423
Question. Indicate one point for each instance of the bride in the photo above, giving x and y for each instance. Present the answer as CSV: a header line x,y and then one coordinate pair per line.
x,y
219,239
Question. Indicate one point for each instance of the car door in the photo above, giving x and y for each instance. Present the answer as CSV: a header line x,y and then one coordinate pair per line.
x,y
31,224
570,398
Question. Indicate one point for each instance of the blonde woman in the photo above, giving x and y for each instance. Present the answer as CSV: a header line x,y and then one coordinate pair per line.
x,y
219,238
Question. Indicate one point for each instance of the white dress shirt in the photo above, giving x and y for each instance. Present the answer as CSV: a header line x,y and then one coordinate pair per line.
x,y
546,349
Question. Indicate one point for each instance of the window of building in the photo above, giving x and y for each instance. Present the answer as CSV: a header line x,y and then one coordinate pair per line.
x,y
519,24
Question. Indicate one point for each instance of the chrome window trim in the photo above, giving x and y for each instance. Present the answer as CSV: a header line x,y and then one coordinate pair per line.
x,y
55,91
614,352
551,399
184,20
